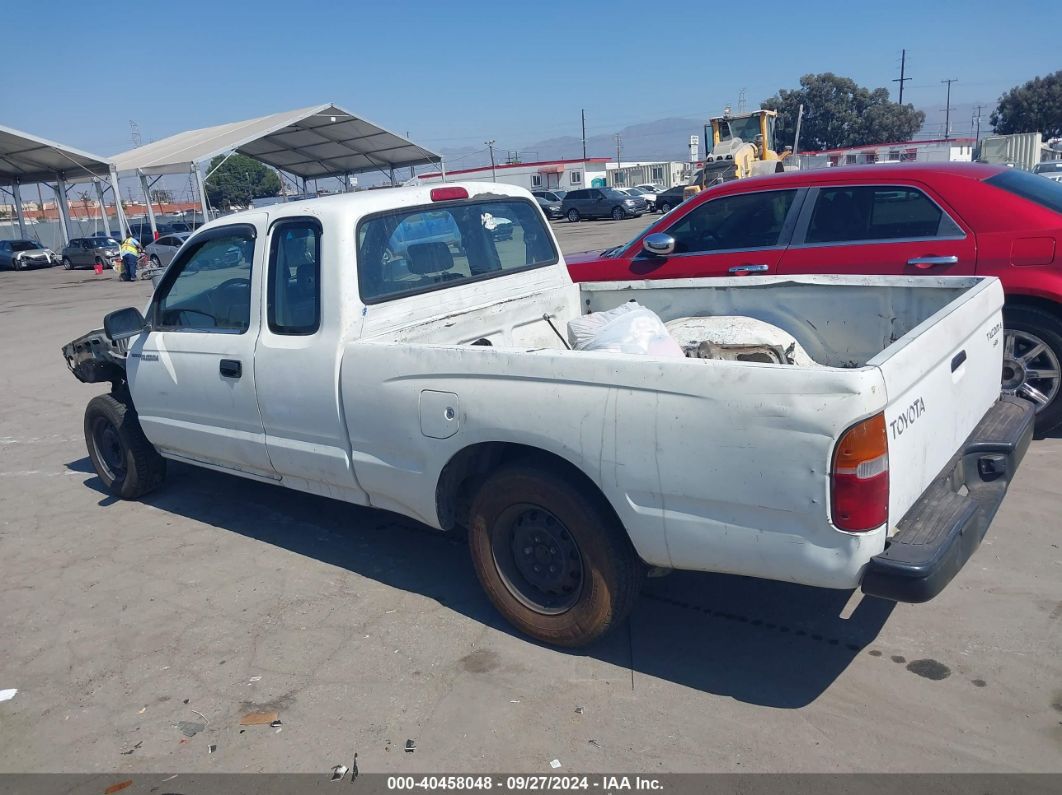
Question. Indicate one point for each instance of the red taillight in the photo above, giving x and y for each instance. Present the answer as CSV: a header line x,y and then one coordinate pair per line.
x,y
446,194
860,477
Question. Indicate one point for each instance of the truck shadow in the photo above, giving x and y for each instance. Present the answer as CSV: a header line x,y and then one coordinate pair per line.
x,y
767,643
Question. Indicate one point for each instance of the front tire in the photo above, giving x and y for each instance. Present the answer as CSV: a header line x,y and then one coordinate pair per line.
x,y
125,461
1032,352
554,561
67,264
573,215
664,208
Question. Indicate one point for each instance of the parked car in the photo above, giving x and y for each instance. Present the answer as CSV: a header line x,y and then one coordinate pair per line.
x,y
649,197
552,209
141,230
648,188
552,195
161,252
440,391
19,255
601,203
1052,169
87,252
904,220
670,198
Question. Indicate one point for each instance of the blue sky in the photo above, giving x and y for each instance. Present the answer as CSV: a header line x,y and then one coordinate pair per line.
x,y
453,74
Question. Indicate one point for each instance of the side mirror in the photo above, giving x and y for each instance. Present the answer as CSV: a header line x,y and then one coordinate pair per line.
x,y
122,324
659,244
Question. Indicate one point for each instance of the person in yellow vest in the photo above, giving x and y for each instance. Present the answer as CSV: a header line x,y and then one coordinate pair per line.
x,y
130,250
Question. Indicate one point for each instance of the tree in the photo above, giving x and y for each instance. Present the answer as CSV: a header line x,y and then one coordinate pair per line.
x,y
1035,106
838,112
238,180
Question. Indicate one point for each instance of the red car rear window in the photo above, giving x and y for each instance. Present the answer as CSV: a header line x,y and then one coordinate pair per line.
x,y
1041,190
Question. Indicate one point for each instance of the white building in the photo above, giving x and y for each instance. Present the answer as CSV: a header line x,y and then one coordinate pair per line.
x,y
952,150
546,174
663,174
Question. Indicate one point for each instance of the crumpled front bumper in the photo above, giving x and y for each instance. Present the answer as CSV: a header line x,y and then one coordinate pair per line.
x,y
945,526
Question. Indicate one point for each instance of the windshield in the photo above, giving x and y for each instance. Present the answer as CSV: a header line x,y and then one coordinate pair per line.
x,y
746,129
635,191
1045,192
24,245
612,193
1048,168
103,242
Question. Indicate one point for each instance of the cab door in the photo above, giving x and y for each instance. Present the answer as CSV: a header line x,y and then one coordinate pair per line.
x,y
738,234
890,229
192,374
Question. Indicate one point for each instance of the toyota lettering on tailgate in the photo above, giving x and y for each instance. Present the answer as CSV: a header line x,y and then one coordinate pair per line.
x,y
907,418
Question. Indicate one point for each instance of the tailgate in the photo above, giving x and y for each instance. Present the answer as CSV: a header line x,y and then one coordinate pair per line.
x,y
940,379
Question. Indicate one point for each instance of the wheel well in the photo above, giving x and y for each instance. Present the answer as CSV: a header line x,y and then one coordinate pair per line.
x,y
466,471
1035,302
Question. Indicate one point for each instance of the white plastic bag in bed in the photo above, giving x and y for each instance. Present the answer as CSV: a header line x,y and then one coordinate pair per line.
x,y
629,328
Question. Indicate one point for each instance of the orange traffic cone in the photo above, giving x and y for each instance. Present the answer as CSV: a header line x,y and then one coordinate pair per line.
x,y
99,268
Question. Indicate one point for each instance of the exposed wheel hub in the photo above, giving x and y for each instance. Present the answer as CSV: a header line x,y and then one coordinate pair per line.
x,y
544,568
1030,368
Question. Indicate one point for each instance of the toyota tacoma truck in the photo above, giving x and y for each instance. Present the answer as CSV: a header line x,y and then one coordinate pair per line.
x,y
832,431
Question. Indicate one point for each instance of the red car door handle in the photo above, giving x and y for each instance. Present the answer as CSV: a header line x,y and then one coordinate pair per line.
x,y
929,262
747,268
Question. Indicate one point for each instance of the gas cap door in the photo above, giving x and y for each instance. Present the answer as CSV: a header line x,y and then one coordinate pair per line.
x,y
440,414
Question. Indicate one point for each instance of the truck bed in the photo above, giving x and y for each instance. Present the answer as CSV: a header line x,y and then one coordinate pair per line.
x,y
712,465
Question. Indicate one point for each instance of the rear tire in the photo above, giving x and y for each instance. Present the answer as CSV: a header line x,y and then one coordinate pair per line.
x,y
125,461
664,207
573,215
586,575
67,264
156,261
618,214
1024,328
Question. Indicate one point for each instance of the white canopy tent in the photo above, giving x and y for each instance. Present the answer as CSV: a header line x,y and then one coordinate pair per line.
x,y
314,142
27,159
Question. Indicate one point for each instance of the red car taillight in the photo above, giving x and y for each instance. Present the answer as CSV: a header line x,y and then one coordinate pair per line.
x,y
860,477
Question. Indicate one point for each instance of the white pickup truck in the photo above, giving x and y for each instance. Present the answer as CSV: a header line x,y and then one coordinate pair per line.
x,y
300,345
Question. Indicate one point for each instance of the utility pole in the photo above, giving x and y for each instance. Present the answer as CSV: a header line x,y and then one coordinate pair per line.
x,y
619,147
947,108
977,118
134,133
493,173
741,101
903,78
583,113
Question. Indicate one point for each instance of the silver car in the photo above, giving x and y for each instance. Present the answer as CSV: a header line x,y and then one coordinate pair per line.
x,y
162,250
21,254
87,252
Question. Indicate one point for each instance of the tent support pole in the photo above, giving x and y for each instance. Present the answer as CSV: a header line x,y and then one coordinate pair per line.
x,y
150,211
16,190
64,208
103,206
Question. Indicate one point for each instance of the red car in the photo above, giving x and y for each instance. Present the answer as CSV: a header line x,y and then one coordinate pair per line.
x,y
946,219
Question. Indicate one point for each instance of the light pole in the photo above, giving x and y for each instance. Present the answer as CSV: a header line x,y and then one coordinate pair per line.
x,y
493,174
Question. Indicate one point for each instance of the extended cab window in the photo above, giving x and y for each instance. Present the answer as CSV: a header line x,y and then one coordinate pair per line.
x,y
884,212
209,287
294,303
741,221
426,248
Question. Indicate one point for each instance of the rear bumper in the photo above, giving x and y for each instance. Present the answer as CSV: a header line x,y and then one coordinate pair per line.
x,y
944,528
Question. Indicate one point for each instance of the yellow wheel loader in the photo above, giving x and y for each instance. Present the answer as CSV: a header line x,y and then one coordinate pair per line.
x,y
741,146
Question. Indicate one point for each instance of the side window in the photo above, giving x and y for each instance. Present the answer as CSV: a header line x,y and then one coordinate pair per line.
x,y
536,180
885,212
294,302
577,177
209,287
747,220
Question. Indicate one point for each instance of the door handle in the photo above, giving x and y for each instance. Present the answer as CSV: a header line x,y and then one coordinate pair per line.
x,y
231,368
747,268
929,262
